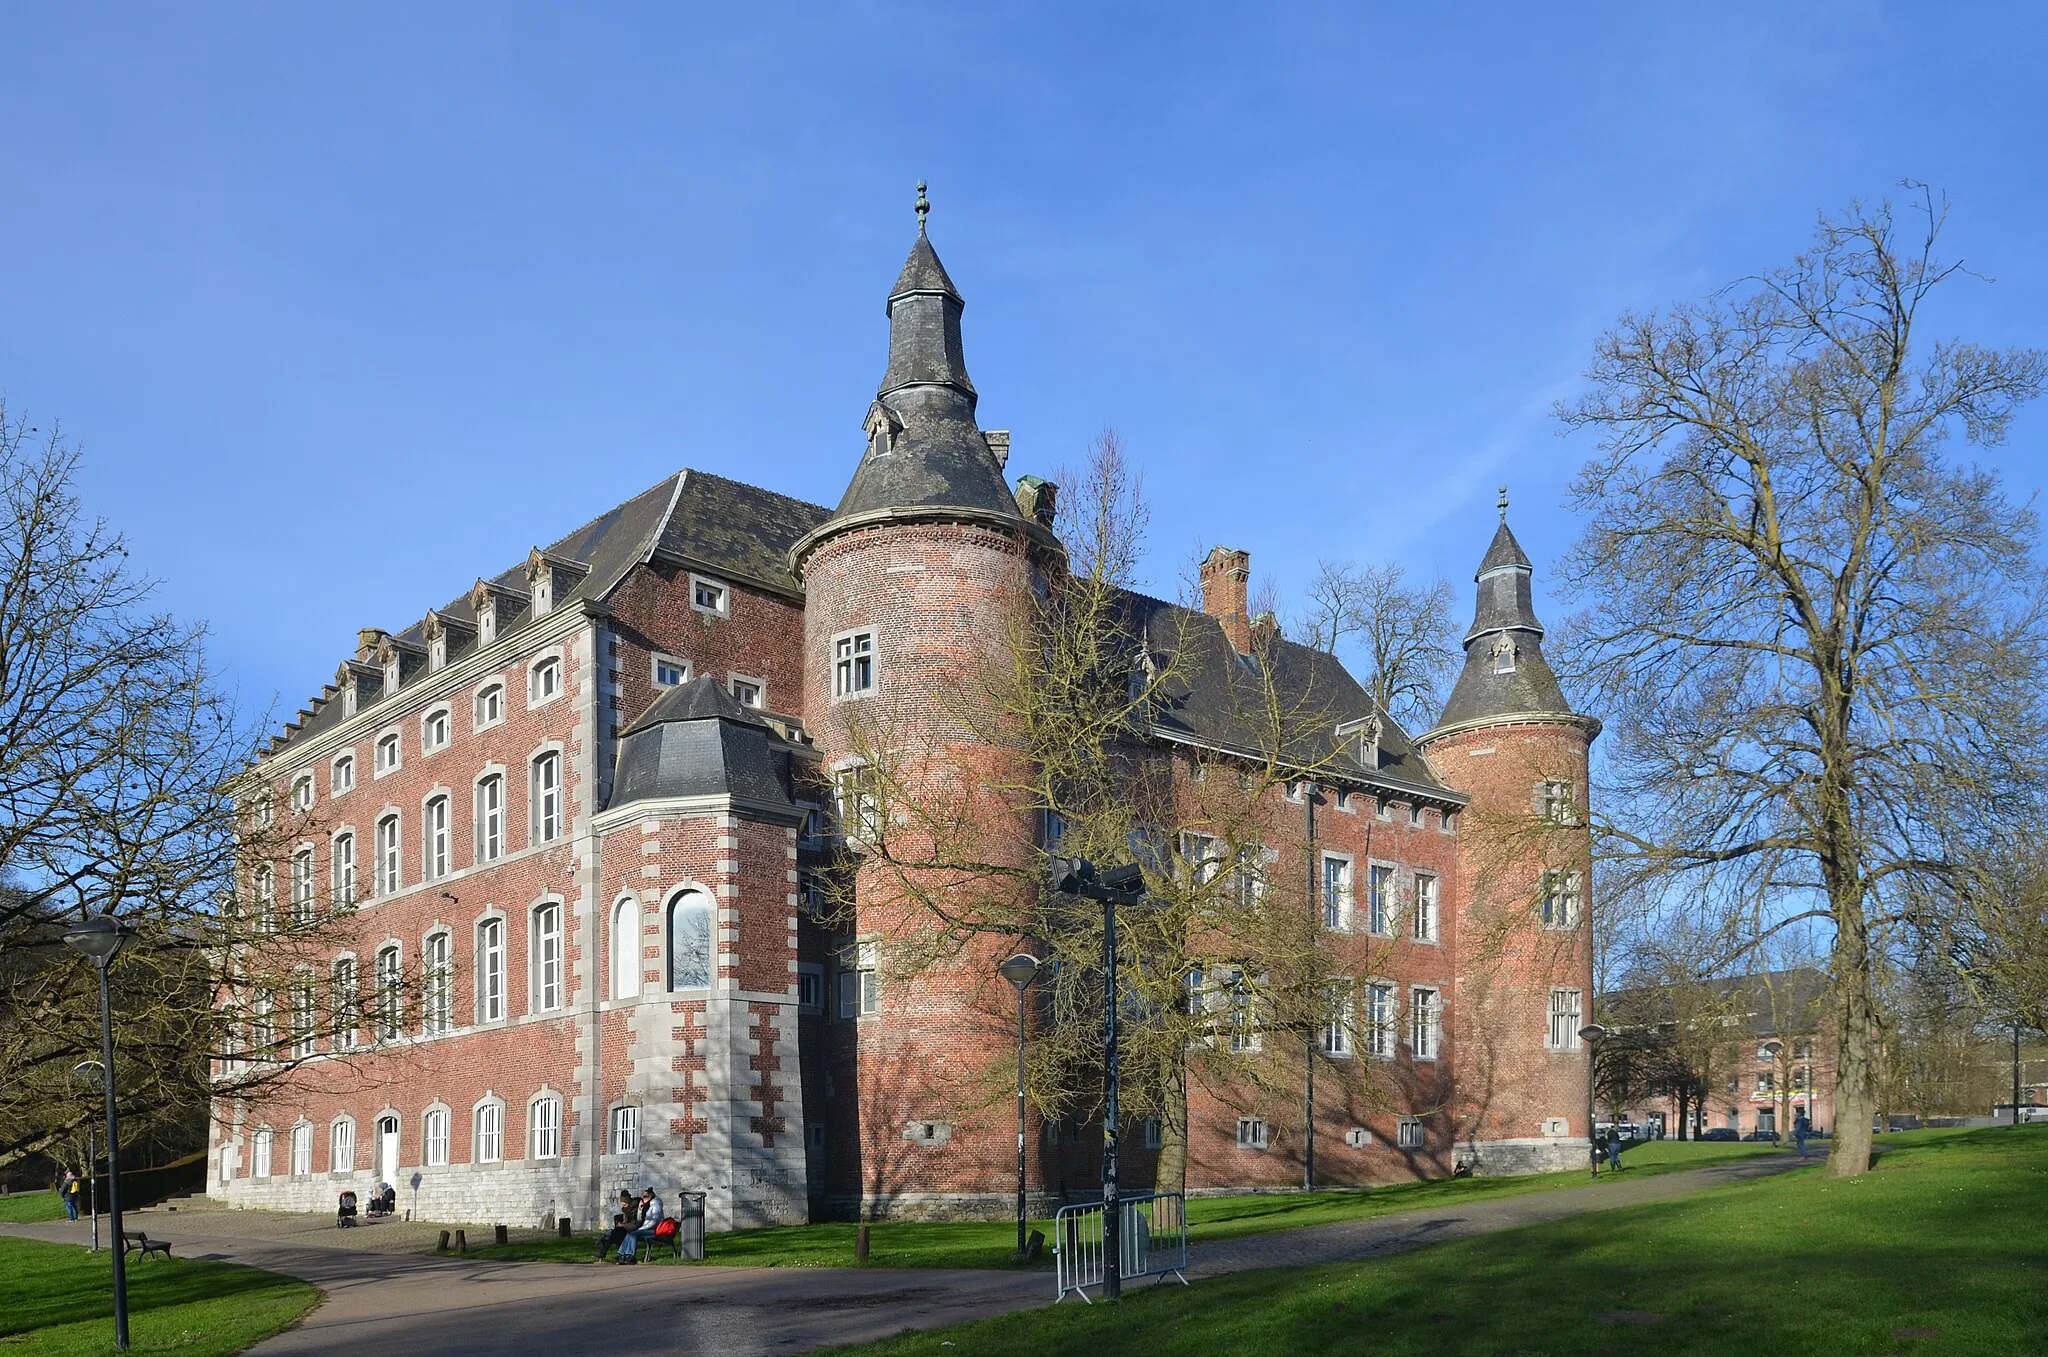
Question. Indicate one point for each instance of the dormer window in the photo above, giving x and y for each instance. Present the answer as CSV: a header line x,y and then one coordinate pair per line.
x,y
387,753
486,623
543,681
348,699
709,596
543,593
1503,655
437,652
391,669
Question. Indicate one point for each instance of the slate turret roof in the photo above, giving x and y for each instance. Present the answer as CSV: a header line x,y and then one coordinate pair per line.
x,y
1505,674
695,740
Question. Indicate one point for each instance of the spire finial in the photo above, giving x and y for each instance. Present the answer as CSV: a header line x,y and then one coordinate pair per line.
x,y
1502,504
924,206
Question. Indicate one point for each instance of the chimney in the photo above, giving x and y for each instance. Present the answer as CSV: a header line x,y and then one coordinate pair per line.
x,y
1226,573
998,441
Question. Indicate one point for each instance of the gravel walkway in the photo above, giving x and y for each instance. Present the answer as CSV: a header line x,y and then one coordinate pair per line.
x,y
381,1297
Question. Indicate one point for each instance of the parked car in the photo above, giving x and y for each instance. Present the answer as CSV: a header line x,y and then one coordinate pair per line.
x,y
1769,1136
1719,1133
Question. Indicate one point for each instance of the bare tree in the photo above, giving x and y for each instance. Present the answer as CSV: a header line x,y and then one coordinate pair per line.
x,y
1406,633
1819,638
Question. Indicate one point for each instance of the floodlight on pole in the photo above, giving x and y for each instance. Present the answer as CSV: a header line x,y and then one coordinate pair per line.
x,y
100,937
1592,1034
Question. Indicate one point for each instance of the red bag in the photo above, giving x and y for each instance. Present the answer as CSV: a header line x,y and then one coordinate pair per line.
x,y
665,1228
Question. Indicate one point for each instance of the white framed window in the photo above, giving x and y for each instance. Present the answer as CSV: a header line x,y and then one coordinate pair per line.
x,y
263,884
1379,899
341,1147
689,940
544,1119
625,1130
390,868
860,983
1244,1023
547,958
710,596
342,994
1251,1133
490,1133
490,705
434,1137
305,1028
434,730
853,664
544,681
438,974
810,989
344,868
1336,1021
434,840
1379,1020
302,1150
544,785
302,793
1425,921
1337,892
1566,1010
342,776
1248,877
670,672
490,817
1203,854
1155,1133
859,794
1557,802
389,755
260,1151
390,980
263,813
748,692
490,969
1559,899
1425,1022
263,1025
1408,1133
302,886
626,948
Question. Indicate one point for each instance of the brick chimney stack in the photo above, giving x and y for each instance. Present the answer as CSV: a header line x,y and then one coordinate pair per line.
x,y
1226,576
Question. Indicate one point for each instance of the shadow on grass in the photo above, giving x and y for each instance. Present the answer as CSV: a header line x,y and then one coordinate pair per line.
x,y
42,1285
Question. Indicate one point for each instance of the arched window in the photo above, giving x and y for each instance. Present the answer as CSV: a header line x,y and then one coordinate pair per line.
x,y
341,1147
689,941
434,857
546,799
547,958
343,997
439,973
490,705
302,793
433,730
543,681
626,949
344,776
390,996
390,871
545,1120
490,970
259,1155
344,869
302,886
436,1137
490,818
490,1133
302,1150
305,1031
264,884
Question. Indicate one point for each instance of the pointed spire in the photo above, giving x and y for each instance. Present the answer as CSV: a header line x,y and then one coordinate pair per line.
x,y
1505,674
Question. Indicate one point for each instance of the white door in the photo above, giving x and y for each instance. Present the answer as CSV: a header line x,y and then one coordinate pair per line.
x,y
387,1150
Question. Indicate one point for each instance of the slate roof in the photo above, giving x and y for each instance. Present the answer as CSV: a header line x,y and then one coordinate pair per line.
x,y
1801,994
1218,698
696,740
1504,611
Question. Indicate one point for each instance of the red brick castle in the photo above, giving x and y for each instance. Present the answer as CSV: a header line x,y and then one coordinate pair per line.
x,y
573,813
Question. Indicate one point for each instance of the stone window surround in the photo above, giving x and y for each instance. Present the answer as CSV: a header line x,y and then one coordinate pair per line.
x,y
724,606
341,773
540,661
491,914
390,740
659,658
874,659
442,710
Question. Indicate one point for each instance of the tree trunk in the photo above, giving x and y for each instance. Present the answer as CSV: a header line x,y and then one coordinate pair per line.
x,y
1855,1029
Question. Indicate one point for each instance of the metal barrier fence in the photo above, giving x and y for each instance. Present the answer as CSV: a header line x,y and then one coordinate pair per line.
x,y
1154,1243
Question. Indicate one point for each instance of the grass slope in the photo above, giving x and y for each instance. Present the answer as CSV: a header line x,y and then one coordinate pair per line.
x,y
1937,1251
992,1244
57,1299
30,1208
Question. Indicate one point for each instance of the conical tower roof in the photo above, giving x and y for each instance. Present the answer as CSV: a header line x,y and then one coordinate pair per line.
x,y
1505,674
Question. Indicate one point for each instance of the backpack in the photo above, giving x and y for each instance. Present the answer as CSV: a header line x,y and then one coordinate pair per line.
x,y
665,1228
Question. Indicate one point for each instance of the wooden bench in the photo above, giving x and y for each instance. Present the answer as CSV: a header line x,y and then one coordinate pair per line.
x,y
138,1242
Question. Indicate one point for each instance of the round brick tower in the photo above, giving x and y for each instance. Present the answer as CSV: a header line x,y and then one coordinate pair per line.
x,y
909,589
1510,739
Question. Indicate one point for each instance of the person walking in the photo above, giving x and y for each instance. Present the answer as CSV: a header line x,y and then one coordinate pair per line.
x,y
1800,1130
68,1190
1614,1149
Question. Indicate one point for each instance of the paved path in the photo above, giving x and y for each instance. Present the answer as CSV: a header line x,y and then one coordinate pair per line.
x,y
448,1307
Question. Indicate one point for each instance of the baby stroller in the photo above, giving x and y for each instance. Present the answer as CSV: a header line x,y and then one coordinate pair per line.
x,y
345,1213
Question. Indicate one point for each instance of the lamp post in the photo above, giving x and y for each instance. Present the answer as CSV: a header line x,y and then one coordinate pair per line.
x,y
100,936
1020,970
1117,886
91,1070
1591,1034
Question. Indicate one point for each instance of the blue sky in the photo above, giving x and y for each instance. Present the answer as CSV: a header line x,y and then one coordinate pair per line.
x,y
349,305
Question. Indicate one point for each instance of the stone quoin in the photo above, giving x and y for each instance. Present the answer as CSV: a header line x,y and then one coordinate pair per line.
x,y
580,814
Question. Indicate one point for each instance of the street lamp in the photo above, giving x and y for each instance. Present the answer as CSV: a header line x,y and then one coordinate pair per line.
x,y
1592,1034
1020,970
91,1071
100,936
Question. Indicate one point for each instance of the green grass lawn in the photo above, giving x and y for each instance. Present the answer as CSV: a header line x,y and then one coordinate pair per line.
x,y
992,1244
58,1299
1939,1250
28,1208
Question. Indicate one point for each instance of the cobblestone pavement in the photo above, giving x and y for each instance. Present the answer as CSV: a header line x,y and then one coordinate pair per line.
x,y
381,1300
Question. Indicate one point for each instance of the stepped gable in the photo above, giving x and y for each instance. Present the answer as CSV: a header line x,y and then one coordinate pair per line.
x,y
1505,673
1218,699
697,741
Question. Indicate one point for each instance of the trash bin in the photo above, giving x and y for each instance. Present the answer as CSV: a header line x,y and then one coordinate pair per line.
x,y
690,1225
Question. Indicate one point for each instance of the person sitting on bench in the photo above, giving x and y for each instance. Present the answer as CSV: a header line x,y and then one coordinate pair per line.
x,y
622,1225
651,1215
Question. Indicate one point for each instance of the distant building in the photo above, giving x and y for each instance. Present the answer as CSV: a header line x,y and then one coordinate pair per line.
x,y
581,809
